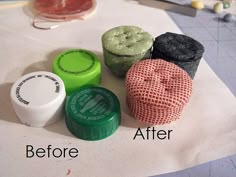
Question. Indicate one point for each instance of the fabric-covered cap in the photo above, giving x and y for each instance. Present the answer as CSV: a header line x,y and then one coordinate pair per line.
x,y
157,91
177,47
127,41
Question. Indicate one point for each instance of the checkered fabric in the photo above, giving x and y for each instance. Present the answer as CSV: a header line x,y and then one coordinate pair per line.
x,y
157,91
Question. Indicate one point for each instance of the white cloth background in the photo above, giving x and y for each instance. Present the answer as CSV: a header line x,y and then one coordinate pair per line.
x,y
206,130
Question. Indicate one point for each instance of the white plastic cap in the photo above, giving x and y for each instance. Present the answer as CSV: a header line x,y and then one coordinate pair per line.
x,y
38,98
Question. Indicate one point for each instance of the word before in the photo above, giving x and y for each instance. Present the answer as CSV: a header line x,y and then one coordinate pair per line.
x,y
152,134
49,152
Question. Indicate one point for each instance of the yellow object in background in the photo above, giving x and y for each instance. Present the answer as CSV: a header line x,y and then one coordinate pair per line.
x,y
6,5
218,7
197,5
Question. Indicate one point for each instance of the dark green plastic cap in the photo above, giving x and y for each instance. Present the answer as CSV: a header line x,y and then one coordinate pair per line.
x,y
92,113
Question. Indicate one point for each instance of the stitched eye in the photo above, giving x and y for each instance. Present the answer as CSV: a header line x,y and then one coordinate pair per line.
x,y
147,79
164,81
167,89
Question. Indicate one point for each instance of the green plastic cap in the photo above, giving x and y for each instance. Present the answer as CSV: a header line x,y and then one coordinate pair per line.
x,y
92,113
77,68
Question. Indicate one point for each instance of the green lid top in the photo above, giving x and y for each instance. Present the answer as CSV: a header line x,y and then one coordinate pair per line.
x,y
93,113
77,68
127,40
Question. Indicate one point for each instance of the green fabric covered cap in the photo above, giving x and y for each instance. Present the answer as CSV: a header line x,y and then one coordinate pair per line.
x,y
127,40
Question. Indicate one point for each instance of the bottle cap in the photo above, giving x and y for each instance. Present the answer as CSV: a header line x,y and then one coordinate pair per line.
x,y
92,113
77,68
38,98
157,91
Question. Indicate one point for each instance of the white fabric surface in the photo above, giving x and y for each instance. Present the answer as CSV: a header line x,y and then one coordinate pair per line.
x,y
206,130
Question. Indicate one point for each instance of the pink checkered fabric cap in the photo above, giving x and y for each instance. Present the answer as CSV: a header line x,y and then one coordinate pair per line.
x,y
157,91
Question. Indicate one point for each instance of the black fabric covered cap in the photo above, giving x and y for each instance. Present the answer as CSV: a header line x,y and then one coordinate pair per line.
x,y
177,47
